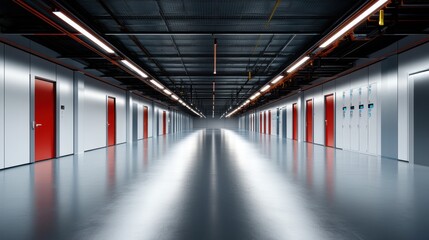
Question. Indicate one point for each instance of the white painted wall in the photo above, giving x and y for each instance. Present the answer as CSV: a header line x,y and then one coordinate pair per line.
x,y
17,107
210,123
142,102
344,136
96,94
412,61
389,92
65,84
81,125
1,105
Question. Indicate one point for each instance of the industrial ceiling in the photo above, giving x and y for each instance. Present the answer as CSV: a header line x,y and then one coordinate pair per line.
x,y
212,54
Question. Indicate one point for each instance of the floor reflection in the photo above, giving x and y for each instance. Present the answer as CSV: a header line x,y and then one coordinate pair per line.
x,y
215,184
44,202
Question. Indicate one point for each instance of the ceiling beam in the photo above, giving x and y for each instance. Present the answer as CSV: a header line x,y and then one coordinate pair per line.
x,y
204,33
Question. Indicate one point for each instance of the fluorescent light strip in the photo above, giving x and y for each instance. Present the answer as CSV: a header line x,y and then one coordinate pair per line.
x,y
157,84
128,64
265,88
134,68
83,31
277,79
255,95
353,23
298,64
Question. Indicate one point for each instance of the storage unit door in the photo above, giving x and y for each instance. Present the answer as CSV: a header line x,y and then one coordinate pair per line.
x,y
329,121
111,121
309,121
164,123
145,122
44,125
295,121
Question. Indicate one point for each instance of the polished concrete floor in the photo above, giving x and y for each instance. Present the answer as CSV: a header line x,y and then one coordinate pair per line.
x,y
215,184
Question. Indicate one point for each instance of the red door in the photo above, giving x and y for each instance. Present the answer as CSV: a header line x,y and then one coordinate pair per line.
x,y
309,121
329,120
260,122
265,122
295,121
44,118
269,122
145,122
164,123
111,121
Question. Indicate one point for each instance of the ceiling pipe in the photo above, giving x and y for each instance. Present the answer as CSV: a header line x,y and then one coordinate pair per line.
x,y
214,54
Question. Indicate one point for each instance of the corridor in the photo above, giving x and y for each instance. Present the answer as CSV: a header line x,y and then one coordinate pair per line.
x,y
215,184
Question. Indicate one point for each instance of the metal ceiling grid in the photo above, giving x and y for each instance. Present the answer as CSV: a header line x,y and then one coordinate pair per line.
x,y
173,41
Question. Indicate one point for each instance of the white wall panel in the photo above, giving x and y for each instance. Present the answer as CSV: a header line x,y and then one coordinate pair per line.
x,y
65,107
79,113
389,107
354,119
41,68
142,102
95,116
289,120
139,121
96,94
17,107
1,106
362,110
342,86
413,61
373,120
159,110
318,116
374,124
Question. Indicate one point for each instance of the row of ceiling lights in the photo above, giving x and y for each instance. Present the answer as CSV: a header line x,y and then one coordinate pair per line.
x,y
127,63
333,36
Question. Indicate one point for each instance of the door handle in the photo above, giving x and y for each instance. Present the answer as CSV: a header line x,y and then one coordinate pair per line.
x,y
38,125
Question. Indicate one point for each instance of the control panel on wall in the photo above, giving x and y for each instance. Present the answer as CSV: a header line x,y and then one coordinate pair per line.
x,y
363,119
354,119
372,118
345,136
359,116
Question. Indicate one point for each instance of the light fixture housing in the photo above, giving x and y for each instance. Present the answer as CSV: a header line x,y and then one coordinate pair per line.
x,y
376,6
168,92
83,31
255,95
298,64
175,97
215,55
277,79
134,68
157,84
265,88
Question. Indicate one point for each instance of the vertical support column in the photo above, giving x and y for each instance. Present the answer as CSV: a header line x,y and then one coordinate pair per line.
x,y
389,107
79,107
1,106
154,120
129,117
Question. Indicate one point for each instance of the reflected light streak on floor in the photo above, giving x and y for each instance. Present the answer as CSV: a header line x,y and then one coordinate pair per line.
x,y
278,208
215,184
152,203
